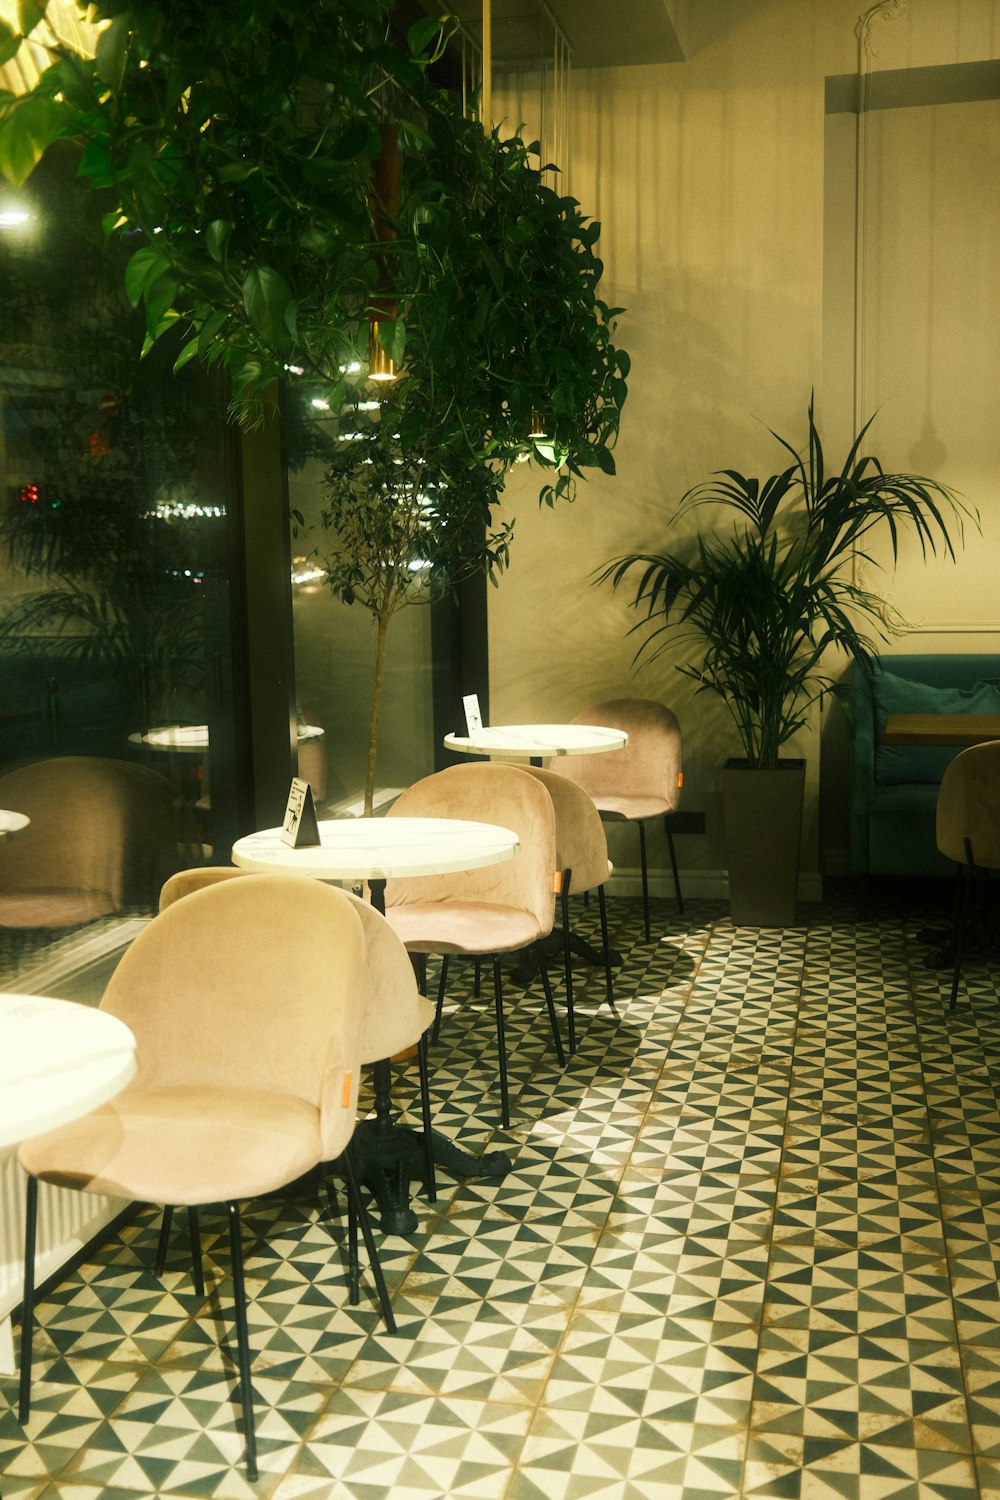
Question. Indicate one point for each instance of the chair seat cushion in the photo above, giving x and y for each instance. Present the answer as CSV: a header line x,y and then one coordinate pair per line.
x,y
631,808
463,927
181,1146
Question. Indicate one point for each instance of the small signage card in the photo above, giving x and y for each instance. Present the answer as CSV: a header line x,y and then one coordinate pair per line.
x,y
300,827
473,718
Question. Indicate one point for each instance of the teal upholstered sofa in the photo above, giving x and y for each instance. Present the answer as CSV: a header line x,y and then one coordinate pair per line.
x,y
894,788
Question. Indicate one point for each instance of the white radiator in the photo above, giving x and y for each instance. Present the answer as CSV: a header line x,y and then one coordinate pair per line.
x,y
66,1221
74,968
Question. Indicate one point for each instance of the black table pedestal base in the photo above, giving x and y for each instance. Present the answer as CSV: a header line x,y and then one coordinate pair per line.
x,y
389,1156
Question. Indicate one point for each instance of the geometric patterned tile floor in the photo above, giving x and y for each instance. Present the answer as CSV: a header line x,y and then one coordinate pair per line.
x,y
748,1248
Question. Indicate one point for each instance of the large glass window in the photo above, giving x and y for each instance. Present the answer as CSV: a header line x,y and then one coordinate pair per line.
x,y
115,660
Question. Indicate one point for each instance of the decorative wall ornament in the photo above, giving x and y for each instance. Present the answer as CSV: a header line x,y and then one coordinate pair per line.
x,y
885,10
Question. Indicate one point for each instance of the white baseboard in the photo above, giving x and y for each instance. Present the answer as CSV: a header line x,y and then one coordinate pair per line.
x,y
709,885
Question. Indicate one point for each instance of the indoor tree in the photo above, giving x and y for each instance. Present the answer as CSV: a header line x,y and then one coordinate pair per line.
x,y
295,187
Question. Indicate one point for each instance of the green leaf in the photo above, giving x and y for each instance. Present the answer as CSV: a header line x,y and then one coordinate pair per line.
x,y
217,238
210,328
145,267
392,338
112,51
29,13
189,351
27,128
10,42
423,32
266,296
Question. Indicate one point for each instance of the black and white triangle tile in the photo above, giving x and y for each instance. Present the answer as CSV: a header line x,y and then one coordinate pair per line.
x,y
749,1249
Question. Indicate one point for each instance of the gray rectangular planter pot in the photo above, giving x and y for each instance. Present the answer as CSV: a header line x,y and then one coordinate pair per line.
x,y
763,815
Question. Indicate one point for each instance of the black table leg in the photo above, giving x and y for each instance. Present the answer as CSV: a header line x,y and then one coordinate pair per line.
x,y
389,1156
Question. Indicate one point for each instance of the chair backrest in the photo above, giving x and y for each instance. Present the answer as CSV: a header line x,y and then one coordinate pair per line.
x,y
251,983
581,843
186,882
102,831
968,806
649,765
394,1014
482,792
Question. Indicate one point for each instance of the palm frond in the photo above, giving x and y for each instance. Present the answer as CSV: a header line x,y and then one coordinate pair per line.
x,y
754,612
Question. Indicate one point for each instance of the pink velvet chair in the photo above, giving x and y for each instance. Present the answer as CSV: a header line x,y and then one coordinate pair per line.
x,y
500,908
583,864
639,782
243,1001
395,1017
968,831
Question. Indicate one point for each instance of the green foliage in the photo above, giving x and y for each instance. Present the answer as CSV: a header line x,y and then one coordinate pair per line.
x,y
241,150
404,529
236,145
764,602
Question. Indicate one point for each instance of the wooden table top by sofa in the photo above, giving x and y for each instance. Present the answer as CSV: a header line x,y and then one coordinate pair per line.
x,y
941,729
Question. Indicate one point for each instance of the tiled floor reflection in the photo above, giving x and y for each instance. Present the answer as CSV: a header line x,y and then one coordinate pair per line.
x,y
748,1248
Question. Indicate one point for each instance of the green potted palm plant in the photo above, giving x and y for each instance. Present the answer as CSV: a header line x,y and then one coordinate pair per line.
x,y
761,604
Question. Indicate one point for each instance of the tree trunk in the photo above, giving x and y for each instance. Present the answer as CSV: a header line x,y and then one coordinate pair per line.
x,y
382,622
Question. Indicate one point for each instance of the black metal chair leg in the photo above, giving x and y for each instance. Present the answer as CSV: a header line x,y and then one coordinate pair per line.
x,y
425,1115
645,881
602,907
546,986
501,1042
360,1214
673,865
962,924
442,981
28,1304
163,1241
242,1339
354,1265
194,1229
567,958
477,977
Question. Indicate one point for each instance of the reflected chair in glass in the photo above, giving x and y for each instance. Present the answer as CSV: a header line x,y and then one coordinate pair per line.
x,y
102,837
968,832
500,908
243,1002
395,1018
583,865
639,782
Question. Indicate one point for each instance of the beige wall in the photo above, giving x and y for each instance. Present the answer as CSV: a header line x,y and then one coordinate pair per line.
x,y
722,189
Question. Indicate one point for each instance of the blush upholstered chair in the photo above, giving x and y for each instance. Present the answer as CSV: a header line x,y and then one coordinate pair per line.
x,y
395,1017
968,831
243,1002
583,865
500,908
639,782
103,835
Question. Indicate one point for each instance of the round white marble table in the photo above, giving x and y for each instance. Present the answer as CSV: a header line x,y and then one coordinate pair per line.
x,y
191,739
387,1154
376,849
537,742
58,1060
12,822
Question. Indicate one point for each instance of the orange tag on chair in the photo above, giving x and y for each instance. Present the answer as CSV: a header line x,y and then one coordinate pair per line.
x,y
348,1079
557,882
680,778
